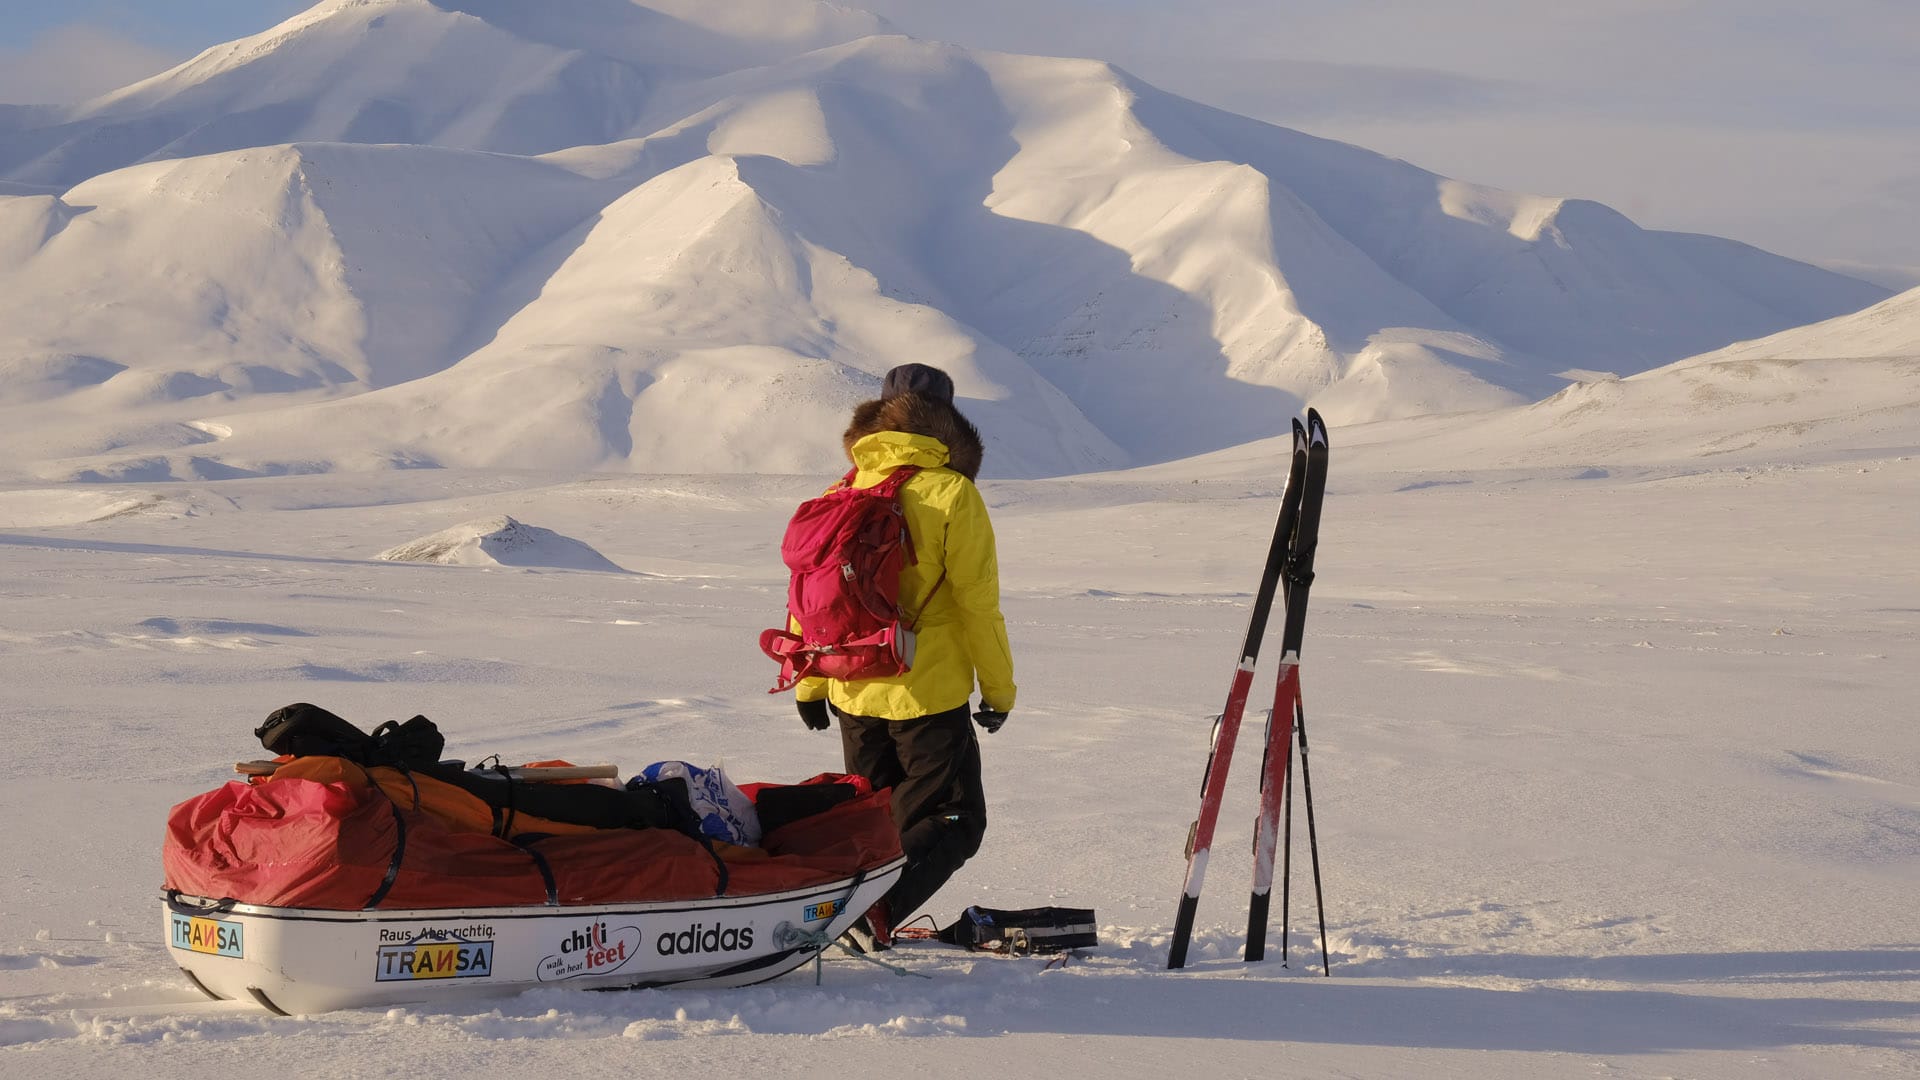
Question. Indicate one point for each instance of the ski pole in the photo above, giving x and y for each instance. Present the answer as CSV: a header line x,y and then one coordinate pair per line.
x,y
1286,855
1313,843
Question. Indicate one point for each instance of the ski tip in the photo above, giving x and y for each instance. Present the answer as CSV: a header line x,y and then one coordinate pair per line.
x,y
1299,434
1316,429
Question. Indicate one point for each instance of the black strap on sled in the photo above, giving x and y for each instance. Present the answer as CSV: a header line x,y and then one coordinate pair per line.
x,y
399,856
720,864
525,843
503,813
399,836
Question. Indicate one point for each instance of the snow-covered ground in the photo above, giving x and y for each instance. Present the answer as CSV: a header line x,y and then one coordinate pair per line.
x,y
1614,774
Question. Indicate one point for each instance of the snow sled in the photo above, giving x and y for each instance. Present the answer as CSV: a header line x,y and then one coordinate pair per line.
x,y
334,884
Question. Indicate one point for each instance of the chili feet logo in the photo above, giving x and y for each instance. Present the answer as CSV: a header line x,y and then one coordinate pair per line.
x,y
591,950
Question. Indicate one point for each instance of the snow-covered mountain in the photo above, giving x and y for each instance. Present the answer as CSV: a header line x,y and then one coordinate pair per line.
x,y
500,75
686,236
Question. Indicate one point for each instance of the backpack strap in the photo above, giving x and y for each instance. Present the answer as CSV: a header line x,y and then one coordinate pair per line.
x,y
889,488
796,661
922,609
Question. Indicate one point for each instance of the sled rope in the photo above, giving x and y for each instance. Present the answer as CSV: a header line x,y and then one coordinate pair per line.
x,y
789,936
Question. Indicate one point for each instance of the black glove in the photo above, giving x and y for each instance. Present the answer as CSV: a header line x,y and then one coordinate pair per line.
x,y
989,718
814,714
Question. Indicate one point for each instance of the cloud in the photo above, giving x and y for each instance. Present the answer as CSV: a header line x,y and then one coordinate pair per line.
x,y
76,62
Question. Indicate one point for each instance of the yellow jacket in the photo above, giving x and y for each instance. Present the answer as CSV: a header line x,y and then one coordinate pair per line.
x,y
961,634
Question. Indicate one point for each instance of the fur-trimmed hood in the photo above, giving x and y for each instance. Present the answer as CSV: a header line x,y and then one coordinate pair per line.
x,y
917,414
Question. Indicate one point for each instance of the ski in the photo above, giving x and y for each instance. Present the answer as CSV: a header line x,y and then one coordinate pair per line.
x,y
1288,718
1226,729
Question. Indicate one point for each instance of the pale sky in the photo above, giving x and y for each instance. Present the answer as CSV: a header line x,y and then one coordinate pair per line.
x,y
1788,125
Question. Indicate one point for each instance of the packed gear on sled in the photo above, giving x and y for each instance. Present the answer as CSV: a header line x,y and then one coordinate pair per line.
x,y
722,811
335,882
403,760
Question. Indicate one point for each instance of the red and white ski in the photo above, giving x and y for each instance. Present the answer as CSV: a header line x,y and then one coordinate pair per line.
x,y
1226,729
1288,719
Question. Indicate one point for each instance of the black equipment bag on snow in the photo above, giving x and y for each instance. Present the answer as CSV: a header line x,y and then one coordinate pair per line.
x,y
1026,932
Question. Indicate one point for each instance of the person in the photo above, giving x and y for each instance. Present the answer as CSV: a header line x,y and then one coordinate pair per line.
x,y
911,732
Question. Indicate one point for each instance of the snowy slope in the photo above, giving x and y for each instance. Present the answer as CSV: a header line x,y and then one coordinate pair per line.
x,y
732,258
1844,387
1888,330
252,276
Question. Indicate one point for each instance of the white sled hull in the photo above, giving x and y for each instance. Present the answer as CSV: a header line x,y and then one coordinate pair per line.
x,y
295,961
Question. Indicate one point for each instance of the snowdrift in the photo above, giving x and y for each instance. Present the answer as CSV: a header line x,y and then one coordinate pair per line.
x,y
501,541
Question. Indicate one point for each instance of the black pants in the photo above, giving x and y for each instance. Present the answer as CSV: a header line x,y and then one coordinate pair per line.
x,y
933,766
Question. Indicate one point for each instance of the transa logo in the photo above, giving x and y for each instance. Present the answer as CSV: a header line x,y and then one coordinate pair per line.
x,y
433,955
591,950
215,937
826,909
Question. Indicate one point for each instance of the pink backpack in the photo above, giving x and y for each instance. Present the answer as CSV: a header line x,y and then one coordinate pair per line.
x,y
846,550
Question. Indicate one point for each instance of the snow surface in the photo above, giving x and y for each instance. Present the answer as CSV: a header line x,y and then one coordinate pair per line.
x,y
1610,689
1612,773
1614,760
482,234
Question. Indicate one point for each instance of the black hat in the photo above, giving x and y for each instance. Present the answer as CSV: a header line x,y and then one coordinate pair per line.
x,y
929,382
